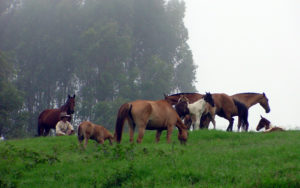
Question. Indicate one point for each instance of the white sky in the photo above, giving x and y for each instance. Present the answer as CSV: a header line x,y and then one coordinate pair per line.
x,y
249,46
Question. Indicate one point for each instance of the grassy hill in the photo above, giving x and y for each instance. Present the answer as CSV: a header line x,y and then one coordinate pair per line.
x,y
210,159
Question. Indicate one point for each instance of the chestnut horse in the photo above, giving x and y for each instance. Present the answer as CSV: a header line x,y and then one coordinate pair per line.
x,y
48,118
264,123
150,115
225,107
196,109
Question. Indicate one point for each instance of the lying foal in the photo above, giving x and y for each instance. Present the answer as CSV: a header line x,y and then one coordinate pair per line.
x,y
88,130
267,125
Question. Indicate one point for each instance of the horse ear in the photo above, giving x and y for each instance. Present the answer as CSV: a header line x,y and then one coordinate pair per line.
x,y
261,116
264,94
74,96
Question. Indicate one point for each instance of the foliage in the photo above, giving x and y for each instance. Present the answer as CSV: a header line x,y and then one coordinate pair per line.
x,y
10,99
210,159
102,50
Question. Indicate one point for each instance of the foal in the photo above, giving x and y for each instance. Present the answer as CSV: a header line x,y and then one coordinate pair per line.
x,y
267,125
88,130
197,108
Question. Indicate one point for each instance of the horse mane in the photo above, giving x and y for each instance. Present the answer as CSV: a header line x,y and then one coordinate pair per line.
x,y
248,93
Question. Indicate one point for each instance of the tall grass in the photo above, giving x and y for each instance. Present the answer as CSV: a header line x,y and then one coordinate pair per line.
x,y
210,159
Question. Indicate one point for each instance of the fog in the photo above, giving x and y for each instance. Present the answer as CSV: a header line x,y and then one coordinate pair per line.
x,y
248,46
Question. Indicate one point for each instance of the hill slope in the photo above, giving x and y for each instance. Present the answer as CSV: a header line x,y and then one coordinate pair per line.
x,y
210,159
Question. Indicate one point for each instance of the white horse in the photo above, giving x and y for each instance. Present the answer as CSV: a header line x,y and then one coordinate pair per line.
x,y
197,108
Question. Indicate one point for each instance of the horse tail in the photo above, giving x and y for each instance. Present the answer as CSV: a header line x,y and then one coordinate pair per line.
x,y
123,113
242,112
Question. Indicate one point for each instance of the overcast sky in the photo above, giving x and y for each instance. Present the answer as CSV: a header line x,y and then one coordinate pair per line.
x,y
249,46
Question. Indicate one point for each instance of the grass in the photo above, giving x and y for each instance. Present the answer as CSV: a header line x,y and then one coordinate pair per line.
x,y
210,159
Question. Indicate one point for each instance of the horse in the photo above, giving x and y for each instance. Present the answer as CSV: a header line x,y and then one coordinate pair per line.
x,y
151,115
181,109
251,99
225,107
264,123
88,130
173,99
48,118
195,109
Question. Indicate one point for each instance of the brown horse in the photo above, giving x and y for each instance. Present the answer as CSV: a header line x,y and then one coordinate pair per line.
x,y
49,118
264,123
225,107
88,130
173,99
150,115
251,99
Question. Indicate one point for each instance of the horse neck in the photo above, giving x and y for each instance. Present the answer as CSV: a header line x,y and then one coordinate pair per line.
x,y
197,106
249,99
64,108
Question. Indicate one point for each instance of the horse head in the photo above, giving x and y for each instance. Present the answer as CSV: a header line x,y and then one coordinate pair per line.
x,y
263,123
264,102
183,135
182,106
70,104
208,98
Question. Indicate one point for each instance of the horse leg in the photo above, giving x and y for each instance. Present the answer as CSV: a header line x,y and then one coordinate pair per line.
x,y
47,130
213,122
169,133
85,141
239,124
131,130
231,120
158,133
141,134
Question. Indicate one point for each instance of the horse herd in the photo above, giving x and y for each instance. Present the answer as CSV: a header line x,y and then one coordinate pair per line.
x,y
183,110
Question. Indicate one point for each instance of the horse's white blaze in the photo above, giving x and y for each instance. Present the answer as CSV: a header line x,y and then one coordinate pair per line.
x,y
196,109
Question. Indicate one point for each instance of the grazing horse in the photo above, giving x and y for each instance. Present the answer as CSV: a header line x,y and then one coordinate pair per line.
x,y
48,118
264,123
150,115
251,99
195,109
88,130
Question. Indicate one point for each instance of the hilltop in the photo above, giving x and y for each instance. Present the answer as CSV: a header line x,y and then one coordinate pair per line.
x,y
210,159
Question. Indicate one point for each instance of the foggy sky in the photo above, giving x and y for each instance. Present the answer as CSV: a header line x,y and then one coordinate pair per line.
x,y
248,46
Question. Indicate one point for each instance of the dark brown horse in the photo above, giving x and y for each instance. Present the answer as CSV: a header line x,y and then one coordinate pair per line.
x,y
264,123
225,107
49,118
150,115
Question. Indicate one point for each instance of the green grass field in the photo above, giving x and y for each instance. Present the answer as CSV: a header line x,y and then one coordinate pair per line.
x,y
210,159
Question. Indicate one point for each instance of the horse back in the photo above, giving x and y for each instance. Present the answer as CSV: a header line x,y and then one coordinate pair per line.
x,y
49,118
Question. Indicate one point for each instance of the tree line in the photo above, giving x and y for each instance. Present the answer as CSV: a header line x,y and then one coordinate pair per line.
x,y
107,52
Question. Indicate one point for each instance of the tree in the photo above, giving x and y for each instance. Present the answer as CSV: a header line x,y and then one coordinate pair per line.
x,y
10,98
